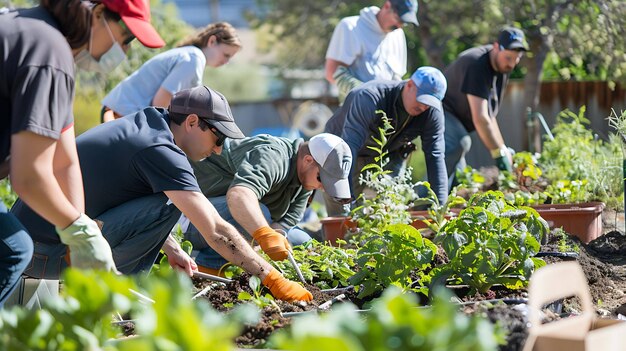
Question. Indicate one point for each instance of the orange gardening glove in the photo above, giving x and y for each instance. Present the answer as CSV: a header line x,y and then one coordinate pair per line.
x,y
273,243
285,289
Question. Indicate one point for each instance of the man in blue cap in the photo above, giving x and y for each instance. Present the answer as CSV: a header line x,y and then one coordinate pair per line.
x,y
370,46
478,79
413,108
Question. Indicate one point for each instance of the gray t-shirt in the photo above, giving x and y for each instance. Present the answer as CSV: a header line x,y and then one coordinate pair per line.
x,y
264,164
122,160
471,73
36,77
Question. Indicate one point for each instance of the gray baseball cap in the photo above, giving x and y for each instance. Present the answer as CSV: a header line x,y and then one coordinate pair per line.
x,y
406,9
335,158
209,105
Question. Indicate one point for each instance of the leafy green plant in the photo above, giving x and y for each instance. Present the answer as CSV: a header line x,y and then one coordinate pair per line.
x,y
470,178
566,191
576,154
490,242
7,195
321,264
261,301
390,258
393,323
438,213
80,319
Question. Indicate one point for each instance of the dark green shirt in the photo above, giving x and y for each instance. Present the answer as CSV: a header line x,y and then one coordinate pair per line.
x,y
264,164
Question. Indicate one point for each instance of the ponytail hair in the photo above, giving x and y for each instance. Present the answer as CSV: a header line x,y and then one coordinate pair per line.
x,y
223,32
74,18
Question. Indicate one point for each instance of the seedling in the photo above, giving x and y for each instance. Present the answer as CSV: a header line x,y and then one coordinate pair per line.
x,y
261,301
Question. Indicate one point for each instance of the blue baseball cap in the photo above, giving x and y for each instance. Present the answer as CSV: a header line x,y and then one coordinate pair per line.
x,y
431,86
406,9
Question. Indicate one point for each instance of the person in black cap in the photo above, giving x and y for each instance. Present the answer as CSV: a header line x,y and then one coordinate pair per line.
x,y
370,46
138,180
476,81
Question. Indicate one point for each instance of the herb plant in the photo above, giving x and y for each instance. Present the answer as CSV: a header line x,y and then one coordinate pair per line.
x,y
393,196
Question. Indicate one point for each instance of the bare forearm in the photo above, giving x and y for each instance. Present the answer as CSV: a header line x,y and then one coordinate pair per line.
x,y
170,245
244,207
71,182
220,235
489,133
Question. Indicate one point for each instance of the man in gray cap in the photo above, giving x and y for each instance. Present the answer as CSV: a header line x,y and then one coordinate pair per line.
x,y
138,180
477,81
262,185
413,108
370,46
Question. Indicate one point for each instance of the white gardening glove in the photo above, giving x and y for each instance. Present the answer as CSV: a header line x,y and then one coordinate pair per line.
x,y
88,248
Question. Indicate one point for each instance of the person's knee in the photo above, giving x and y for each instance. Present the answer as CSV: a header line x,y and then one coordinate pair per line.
x,y
297,236
22,249
465,144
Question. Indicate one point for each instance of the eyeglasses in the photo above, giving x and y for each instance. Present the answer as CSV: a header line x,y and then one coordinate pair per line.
x,y
220,137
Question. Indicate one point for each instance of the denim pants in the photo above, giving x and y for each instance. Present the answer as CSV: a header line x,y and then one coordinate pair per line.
x,y
208,257
135,230
16,250
458,144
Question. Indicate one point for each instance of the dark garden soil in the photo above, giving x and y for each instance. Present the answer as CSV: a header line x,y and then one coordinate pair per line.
x,y
223,296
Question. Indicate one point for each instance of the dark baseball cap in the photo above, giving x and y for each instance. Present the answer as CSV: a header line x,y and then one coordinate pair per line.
x,y
512,39
406,9
209,105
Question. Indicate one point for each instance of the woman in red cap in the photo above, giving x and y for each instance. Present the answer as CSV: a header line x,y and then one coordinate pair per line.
x,y
38,48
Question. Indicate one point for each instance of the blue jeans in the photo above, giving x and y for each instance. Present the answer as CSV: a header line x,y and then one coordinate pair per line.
x,y
208,257
16,250
135,230
458,144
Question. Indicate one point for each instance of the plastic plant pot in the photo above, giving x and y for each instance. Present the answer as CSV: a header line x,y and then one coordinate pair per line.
x,y
582,220
334,228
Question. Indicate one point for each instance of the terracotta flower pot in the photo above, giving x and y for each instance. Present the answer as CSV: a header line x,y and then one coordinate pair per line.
x,y
582,220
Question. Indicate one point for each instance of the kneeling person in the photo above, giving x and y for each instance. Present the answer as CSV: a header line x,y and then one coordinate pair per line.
x,y
264,179
137,180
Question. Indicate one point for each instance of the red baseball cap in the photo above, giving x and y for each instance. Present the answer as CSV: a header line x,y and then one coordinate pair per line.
x,y
136,16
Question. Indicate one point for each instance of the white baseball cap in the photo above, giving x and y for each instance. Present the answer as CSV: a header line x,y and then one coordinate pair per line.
x,y
335,158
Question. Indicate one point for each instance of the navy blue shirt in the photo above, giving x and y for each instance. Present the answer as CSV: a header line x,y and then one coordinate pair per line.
x,y
356,121
123,160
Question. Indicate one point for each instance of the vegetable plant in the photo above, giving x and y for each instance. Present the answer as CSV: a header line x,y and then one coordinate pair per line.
x,y
490,242
389,257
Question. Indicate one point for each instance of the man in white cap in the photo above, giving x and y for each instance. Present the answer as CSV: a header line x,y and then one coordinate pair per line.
x,y
138,180
262,185
413,108
370,46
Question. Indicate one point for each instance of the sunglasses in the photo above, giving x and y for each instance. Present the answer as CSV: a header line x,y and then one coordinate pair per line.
x,y
220,137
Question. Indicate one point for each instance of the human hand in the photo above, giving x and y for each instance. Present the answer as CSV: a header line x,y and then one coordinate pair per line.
x,y
285,289
88,248
180,260
273,243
